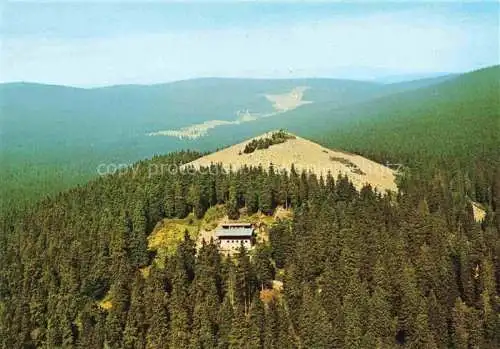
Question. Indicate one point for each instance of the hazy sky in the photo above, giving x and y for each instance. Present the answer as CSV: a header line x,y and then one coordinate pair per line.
x,y
104,43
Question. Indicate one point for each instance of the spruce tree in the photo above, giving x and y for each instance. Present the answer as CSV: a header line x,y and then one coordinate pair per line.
x,y
180,305
157,335
117,315
245,280
251,198
355,304
203,330
196,201
138,244
169,201
204,294
421,335
410,300
266,195
438,321
180,328
381,325
180,204
134,334
460,337
314,326
256,324
232,204
224,321
238,335
264,270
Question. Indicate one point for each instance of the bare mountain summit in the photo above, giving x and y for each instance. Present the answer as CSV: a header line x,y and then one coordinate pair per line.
x,y
304,155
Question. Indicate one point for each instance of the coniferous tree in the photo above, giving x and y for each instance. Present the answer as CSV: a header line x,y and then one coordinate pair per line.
x,y
117,315
251,199
264,270
238,335
245,280
280,240
410,300
489,305
331,299
232,204
196,200
179,305
314,326
205,296
355,303
461,333
180,328
180,204
256,324
438,321
283,190
203,333
381,326
169,201
266,197
272,327
294,187
421,334
90,335
287,336
224,320
138,244
134,334
158,317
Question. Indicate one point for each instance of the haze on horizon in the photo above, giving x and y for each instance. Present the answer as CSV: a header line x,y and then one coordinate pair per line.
x,y
106,43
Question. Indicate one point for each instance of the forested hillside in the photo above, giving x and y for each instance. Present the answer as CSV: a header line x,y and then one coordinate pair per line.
x,y
54,137
359,270
454,126
249,175
458,119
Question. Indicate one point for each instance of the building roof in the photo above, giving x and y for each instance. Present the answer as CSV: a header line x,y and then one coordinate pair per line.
x,y
234,232
236,224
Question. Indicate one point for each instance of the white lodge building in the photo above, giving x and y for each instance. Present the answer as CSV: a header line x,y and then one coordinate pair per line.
x,y
231,235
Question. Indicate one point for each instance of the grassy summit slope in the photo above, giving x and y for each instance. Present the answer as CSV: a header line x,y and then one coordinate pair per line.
x,y
303,155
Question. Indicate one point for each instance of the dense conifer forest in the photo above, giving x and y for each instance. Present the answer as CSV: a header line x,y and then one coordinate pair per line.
x,y
359,269
165,184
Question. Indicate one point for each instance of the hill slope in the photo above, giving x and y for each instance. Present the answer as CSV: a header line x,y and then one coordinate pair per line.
x,y
76,270
59,138
303,155
54,137
458,118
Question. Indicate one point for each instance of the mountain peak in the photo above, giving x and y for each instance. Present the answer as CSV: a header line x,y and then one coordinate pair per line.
x,y
304,155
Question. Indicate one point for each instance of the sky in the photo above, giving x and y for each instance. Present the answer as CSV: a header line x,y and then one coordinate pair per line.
x,y
90,44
